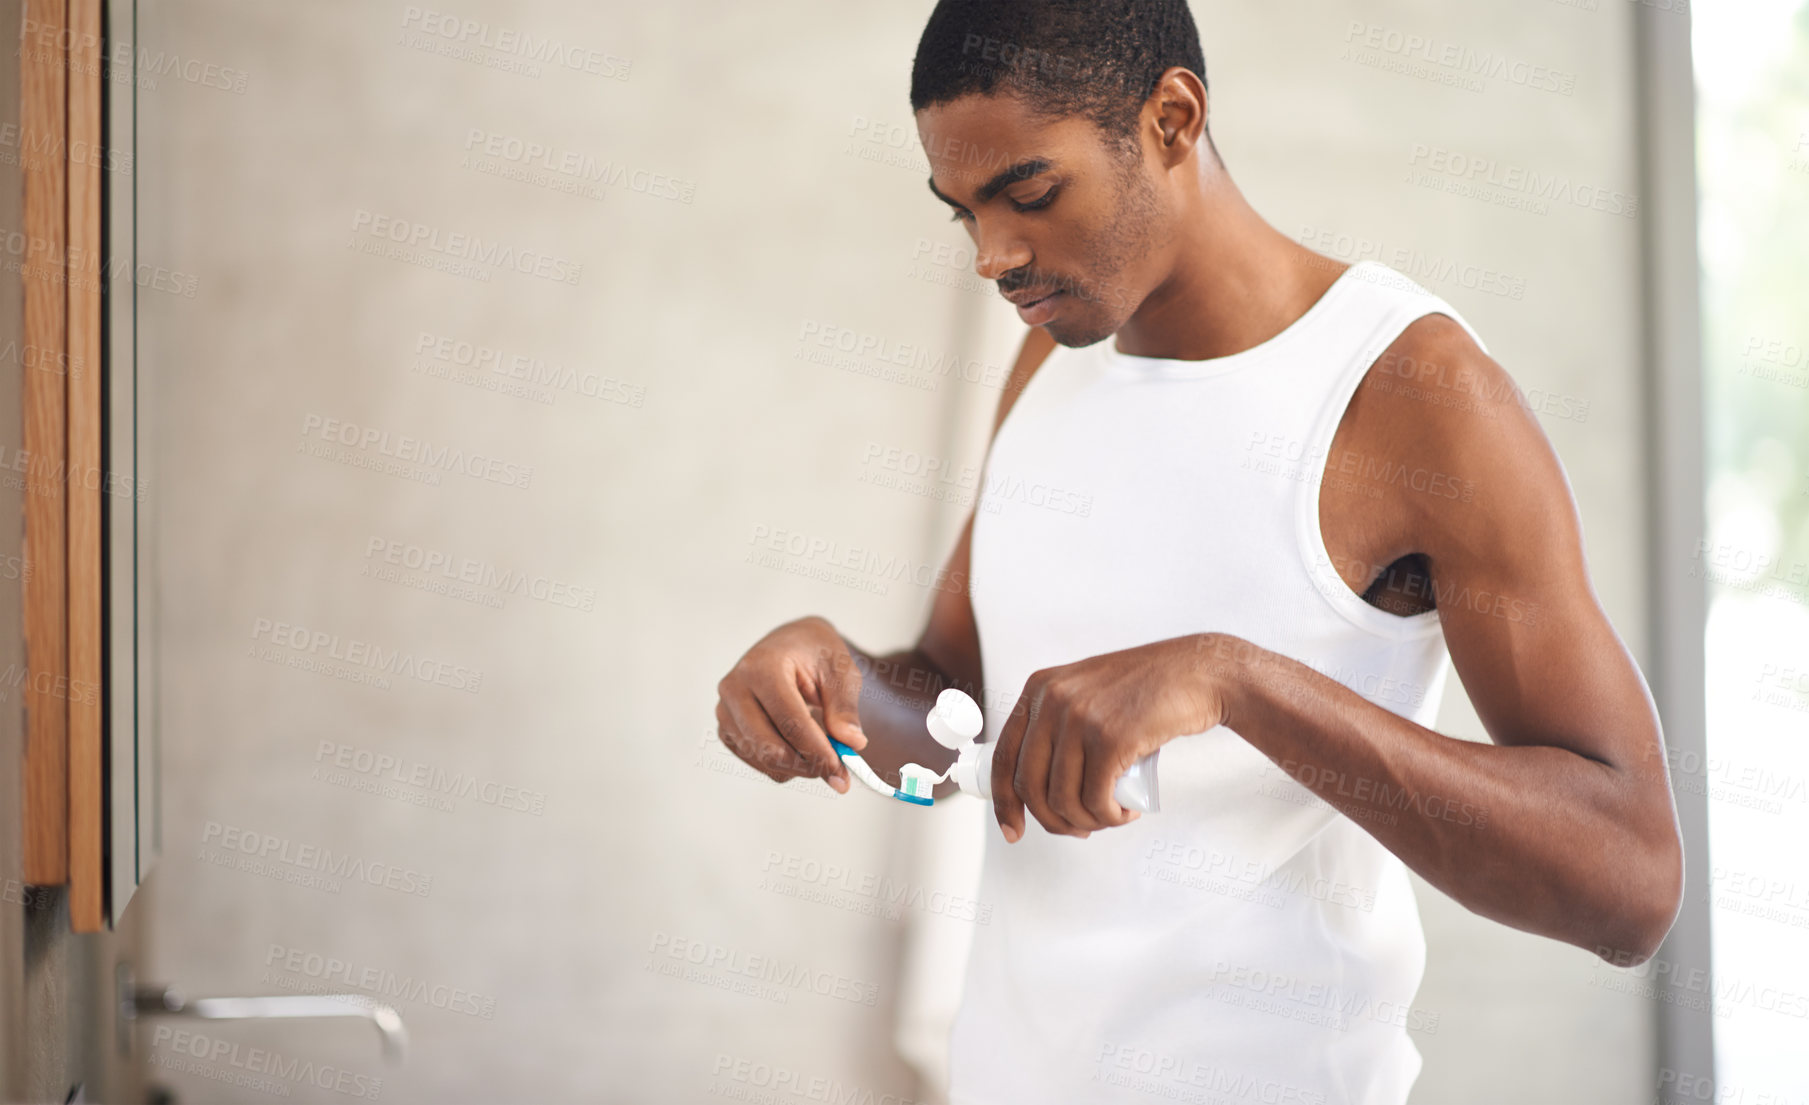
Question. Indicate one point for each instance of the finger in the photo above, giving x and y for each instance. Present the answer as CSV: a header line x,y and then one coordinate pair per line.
x,y
838,782
838,688
1007,807
1031,781
780,764
761,758
786,709
756,729
1097,785
1067,771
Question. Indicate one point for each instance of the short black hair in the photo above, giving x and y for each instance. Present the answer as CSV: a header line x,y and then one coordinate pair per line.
x,y
1096,58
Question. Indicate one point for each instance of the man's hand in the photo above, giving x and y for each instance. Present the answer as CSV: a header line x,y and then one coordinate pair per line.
x,y
1076,728
780,703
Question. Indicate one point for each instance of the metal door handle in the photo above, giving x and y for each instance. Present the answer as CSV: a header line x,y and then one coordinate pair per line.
x,y
167,1001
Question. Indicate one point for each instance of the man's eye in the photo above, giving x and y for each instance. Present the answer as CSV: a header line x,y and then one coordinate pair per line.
x,y
959,215
1037,204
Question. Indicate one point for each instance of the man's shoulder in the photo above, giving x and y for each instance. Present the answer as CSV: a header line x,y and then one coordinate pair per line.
x,y
1436,358
1434,384
1441,407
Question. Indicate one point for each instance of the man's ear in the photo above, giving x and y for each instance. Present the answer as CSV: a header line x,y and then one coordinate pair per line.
x,y
1177,111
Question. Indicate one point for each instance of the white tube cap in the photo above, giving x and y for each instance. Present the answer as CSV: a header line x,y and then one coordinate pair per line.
x,y
954,720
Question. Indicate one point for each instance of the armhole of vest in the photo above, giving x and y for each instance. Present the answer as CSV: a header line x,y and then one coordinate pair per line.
x,y
1314,555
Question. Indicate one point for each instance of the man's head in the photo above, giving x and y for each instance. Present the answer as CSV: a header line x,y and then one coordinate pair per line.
x,y
1059,131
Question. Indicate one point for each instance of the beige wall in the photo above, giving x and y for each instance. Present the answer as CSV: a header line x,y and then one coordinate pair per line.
x,y
808,218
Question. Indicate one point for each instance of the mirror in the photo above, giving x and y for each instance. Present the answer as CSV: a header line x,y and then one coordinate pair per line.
x,y
129,553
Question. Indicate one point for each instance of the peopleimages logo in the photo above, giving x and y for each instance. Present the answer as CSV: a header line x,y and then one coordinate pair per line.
x,y
541,163
765,976
1324,781
272,849
1468,171
1459,59
812,549
1300,998
39,476
473,572
44,684
1411,266
65,44
35,147
380,982
1179,1078
429,777
827,344
252,1068
535,375
413,450
476,34
464,247
317,648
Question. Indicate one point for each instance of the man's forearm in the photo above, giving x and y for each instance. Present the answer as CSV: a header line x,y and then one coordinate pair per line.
x,y
1537,837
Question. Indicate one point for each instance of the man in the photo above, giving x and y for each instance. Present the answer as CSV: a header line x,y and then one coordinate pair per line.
x,y
1244,504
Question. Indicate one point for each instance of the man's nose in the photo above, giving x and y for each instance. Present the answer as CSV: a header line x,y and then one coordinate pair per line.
x,y
995,257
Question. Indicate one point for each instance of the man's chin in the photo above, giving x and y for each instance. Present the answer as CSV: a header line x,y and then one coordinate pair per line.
x,y
1077,335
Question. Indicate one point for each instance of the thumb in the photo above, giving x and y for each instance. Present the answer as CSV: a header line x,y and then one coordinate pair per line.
x,y
840,680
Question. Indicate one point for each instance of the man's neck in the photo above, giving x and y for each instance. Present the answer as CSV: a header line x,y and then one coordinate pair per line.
x,y
1236,283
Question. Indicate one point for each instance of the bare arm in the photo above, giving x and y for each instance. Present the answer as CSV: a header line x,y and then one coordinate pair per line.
x,y
1560,827
1579,840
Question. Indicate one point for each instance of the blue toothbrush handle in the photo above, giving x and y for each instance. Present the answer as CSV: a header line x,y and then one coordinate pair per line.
x,y
858,767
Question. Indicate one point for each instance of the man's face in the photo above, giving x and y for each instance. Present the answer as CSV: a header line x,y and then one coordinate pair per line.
x,y
1054,210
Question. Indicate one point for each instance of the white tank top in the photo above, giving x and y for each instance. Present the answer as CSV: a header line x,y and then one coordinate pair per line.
x,y
1247,943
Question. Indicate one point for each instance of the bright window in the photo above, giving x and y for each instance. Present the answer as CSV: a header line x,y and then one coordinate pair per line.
x,y
1752,82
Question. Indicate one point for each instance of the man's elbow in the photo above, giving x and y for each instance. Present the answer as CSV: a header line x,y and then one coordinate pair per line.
x,y
1648,906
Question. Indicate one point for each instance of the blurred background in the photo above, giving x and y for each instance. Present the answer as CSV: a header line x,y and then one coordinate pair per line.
x,y
568,376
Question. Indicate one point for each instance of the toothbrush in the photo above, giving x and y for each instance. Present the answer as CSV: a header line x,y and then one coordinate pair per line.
x,y
860,770
954,722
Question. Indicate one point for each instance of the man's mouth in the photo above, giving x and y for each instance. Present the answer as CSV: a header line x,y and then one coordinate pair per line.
x,y
1036,307
1028,296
